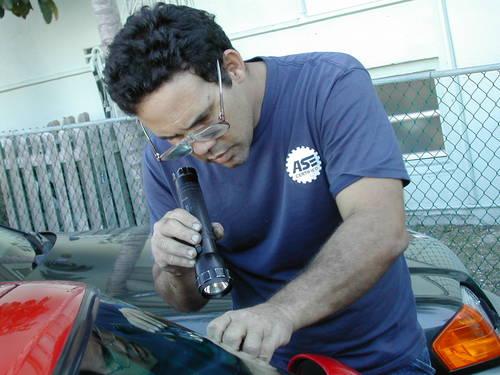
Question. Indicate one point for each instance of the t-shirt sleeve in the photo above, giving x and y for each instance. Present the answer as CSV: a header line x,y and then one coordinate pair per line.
x,y
357,139
158,193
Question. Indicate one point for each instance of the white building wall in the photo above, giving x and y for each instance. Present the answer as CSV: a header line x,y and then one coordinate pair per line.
x,y
388,36
475,29
33,58
378,33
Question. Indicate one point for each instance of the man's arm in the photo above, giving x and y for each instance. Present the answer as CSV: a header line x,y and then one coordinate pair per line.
x,y
369,240
371,237
179,290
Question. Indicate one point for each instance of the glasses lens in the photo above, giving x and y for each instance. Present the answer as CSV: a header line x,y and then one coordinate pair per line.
x,y
184,148
211,132
175,152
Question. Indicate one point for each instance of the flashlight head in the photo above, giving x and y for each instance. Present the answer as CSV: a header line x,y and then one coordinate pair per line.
x,y
212,277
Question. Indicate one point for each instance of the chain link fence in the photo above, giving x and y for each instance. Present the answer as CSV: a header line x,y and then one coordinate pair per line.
x,y
447,124
73,178
87,176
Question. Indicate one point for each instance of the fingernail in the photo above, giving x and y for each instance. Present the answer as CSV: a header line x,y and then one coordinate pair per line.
x,y
196,226
195,238
191,262
192,253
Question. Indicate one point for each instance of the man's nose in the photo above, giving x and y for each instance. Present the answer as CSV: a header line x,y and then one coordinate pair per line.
x,y
202,147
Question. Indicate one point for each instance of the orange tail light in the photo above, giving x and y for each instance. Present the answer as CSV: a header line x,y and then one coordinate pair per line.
x,y
469,339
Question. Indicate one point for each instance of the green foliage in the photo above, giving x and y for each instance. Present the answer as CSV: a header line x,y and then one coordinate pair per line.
x,y
21,8
48,9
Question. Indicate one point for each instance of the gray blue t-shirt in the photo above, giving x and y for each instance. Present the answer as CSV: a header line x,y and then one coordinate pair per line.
x,y
322,128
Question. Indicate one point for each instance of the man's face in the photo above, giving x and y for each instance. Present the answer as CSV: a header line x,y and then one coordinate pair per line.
x,y
187,104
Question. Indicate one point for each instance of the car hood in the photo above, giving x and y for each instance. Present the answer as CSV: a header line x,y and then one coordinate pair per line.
x,y
434,268
119,262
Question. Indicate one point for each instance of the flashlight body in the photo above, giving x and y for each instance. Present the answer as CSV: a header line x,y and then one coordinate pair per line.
x,y
191,199
212,277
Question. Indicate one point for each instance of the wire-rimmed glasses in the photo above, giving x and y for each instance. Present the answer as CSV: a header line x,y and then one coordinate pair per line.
x,y
184,147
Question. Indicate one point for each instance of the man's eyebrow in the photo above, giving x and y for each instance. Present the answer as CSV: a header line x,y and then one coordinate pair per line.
x,y
200,117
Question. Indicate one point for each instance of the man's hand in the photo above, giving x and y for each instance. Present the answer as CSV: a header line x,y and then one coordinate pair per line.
x,y
174,238
173,243
257,330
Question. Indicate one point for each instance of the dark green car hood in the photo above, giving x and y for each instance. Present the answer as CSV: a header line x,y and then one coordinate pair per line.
x,y
119,262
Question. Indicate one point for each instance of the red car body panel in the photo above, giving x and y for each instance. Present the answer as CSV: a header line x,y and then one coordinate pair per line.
x,y
36,319
329,365
34,327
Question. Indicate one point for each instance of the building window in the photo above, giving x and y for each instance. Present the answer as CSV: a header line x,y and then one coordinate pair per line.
x,y
413,110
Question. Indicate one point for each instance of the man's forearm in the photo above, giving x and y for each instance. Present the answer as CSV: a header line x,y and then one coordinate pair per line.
x,y
349,264
178,290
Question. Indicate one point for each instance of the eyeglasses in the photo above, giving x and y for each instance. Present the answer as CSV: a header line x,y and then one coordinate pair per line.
x,y
184,147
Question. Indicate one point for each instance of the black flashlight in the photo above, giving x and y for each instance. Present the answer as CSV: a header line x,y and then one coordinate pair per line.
x,y
212,276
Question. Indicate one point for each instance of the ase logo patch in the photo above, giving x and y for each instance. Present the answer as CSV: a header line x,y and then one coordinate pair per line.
x,y
303,164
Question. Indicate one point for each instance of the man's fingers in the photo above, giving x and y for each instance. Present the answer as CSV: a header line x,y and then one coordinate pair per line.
x,y
173,228
169,252
169,245
252,344
234,334
183,217
171,236
257,331
268,346
216,327
172,260
218,230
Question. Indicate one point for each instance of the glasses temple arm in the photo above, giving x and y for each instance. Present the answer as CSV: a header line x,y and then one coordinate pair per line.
x,y
222,116
155,151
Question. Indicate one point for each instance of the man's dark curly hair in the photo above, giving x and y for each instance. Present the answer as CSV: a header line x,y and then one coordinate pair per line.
x,y
158,42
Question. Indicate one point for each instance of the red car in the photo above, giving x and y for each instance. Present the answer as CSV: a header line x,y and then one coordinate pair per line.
x,y
57,327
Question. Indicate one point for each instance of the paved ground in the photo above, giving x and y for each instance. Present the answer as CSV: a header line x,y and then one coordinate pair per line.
x,y
477,246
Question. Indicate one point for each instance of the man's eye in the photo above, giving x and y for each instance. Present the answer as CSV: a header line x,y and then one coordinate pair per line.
x,y
176,139
202,124
172,139
205,120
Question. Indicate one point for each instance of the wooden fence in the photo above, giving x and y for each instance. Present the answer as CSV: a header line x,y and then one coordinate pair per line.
x,y
74,178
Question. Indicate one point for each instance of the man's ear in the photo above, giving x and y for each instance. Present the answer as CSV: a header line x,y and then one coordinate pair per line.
x,y
234,65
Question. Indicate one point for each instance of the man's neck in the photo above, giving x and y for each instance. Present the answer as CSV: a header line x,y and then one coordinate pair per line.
x,y
257,72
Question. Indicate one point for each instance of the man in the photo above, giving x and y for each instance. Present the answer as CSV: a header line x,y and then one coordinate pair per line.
x,y
302,176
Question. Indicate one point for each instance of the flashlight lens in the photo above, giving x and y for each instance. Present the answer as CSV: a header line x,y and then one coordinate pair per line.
x,y
216,288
